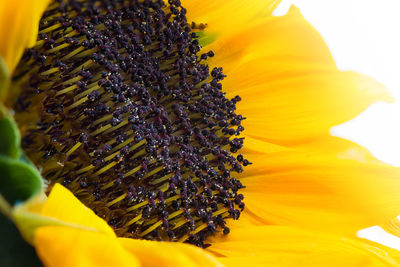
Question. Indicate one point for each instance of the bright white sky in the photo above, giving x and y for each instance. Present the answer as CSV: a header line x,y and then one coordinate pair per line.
x,y
364,36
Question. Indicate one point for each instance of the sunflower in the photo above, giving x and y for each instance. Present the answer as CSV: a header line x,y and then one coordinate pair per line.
x,y
126,111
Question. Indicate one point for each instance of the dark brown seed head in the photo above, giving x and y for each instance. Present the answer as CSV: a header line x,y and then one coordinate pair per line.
x,y
118,105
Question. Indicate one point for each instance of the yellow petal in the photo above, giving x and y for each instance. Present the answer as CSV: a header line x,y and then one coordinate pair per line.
x,y
64,206
323,144
338,147
19,24
293,110
288,246
275,47
392,226
152,253
254,146
299,188
240,13
87,240
64,247
289,83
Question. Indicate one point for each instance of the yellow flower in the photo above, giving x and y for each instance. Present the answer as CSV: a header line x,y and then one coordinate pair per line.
x,y
306,193
19,23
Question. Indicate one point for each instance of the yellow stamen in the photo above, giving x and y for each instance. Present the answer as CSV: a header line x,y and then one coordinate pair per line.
x,y
106,168
150,229
162,179
51,28
73,53
141,204
86,169
153,172
50,71
66,90
75,147
109,204
77,103
102,129
57,48
72,80
137,218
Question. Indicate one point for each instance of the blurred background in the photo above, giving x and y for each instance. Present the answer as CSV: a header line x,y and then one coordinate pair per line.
x,y
364,36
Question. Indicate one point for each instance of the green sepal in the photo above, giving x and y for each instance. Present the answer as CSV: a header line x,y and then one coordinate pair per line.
x,y
14,250
18,180
206,38
9,138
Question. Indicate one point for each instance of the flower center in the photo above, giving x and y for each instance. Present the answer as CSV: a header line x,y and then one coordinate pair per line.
x,y
118,105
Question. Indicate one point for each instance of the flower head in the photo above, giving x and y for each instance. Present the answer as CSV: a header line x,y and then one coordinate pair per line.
x,y
132,119
125,103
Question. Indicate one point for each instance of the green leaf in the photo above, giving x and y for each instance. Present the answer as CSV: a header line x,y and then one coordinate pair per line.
x,y
18,180
206,38
14,251
10,138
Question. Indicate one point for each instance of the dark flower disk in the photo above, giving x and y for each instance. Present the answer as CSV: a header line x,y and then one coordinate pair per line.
x,y
118,104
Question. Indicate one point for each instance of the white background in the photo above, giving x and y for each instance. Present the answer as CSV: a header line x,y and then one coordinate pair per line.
x,y
364,36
